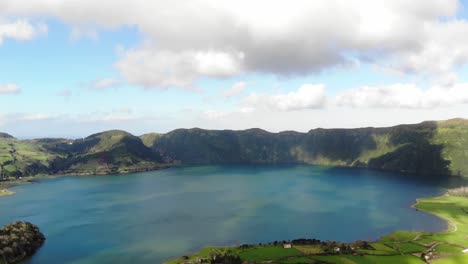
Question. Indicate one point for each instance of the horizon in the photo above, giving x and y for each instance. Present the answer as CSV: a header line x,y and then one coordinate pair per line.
x,y
73,68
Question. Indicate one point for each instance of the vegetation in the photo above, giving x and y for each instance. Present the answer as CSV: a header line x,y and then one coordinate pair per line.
x,y
108,152
18,241
429,148
404,247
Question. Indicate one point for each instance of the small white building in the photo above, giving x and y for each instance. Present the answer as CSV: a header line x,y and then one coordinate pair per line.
x,y
288,245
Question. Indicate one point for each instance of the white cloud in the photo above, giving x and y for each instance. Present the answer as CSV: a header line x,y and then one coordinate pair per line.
x,y
36,117
236,89
187,40
442,49
308,96
404,96
9,88
151,67
21,30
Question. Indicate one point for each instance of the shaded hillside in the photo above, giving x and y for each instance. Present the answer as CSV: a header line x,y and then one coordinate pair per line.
x,y
198,146
428,148
435,148
5,135
452,135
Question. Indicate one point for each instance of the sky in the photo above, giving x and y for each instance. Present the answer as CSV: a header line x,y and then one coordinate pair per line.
x,y
70,68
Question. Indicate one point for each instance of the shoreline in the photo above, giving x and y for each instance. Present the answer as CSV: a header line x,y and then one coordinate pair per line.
x,y
6,192
449,222
451,230
5,186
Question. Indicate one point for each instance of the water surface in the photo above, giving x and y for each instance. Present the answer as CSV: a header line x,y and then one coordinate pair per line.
x,y
154,216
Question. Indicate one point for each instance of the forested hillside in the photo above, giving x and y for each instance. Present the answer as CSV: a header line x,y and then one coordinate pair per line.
x,y
428,148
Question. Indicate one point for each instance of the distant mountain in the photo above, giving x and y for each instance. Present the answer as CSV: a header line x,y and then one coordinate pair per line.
x,y
436,148
5,135
428,148
107,152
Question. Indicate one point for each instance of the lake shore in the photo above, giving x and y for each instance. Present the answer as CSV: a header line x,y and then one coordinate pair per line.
x,y
5,186
398,247
6,192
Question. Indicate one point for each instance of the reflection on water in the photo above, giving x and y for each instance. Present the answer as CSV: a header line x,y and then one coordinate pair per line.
x,y
150,217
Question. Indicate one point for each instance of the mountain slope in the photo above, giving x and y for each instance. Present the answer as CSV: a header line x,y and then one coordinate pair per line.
x,y
434,148
107,152
428,148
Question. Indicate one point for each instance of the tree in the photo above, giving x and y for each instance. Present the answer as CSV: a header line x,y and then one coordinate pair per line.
x,y
19,240
224,256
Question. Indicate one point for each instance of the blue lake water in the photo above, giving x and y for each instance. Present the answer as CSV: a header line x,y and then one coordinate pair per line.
x,y
154,216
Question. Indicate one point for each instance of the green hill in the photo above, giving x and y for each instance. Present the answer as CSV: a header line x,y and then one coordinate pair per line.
x,y
5,135
112,151
434,148
107,152
428,148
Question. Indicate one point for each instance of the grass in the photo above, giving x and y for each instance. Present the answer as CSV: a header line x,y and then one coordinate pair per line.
x,y
408,247
400,236
447,248
309,249
400,259
300,260
268,252
460,259
379,249
450,208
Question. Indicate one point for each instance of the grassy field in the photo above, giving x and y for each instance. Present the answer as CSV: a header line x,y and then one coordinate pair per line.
x,y
402,247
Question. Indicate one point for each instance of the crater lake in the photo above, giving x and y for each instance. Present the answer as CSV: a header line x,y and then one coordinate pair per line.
x,y
155,216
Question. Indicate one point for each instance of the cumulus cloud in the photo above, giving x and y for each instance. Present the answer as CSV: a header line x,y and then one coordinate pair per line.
x,y
403,96
236,89
187,40
10,88
165,68
308,96
21,30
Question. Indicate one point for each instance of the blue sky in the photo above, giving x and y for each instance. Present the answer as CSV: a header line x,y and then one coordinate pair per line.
x,y
72,68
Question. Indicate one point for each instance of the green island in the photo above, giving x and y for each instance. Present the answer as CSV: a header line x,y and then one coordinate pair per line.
x,y
399,247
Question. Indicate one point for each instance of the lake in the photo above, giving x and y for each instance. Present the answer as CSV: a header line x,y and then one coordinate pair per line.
x,y
154,216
